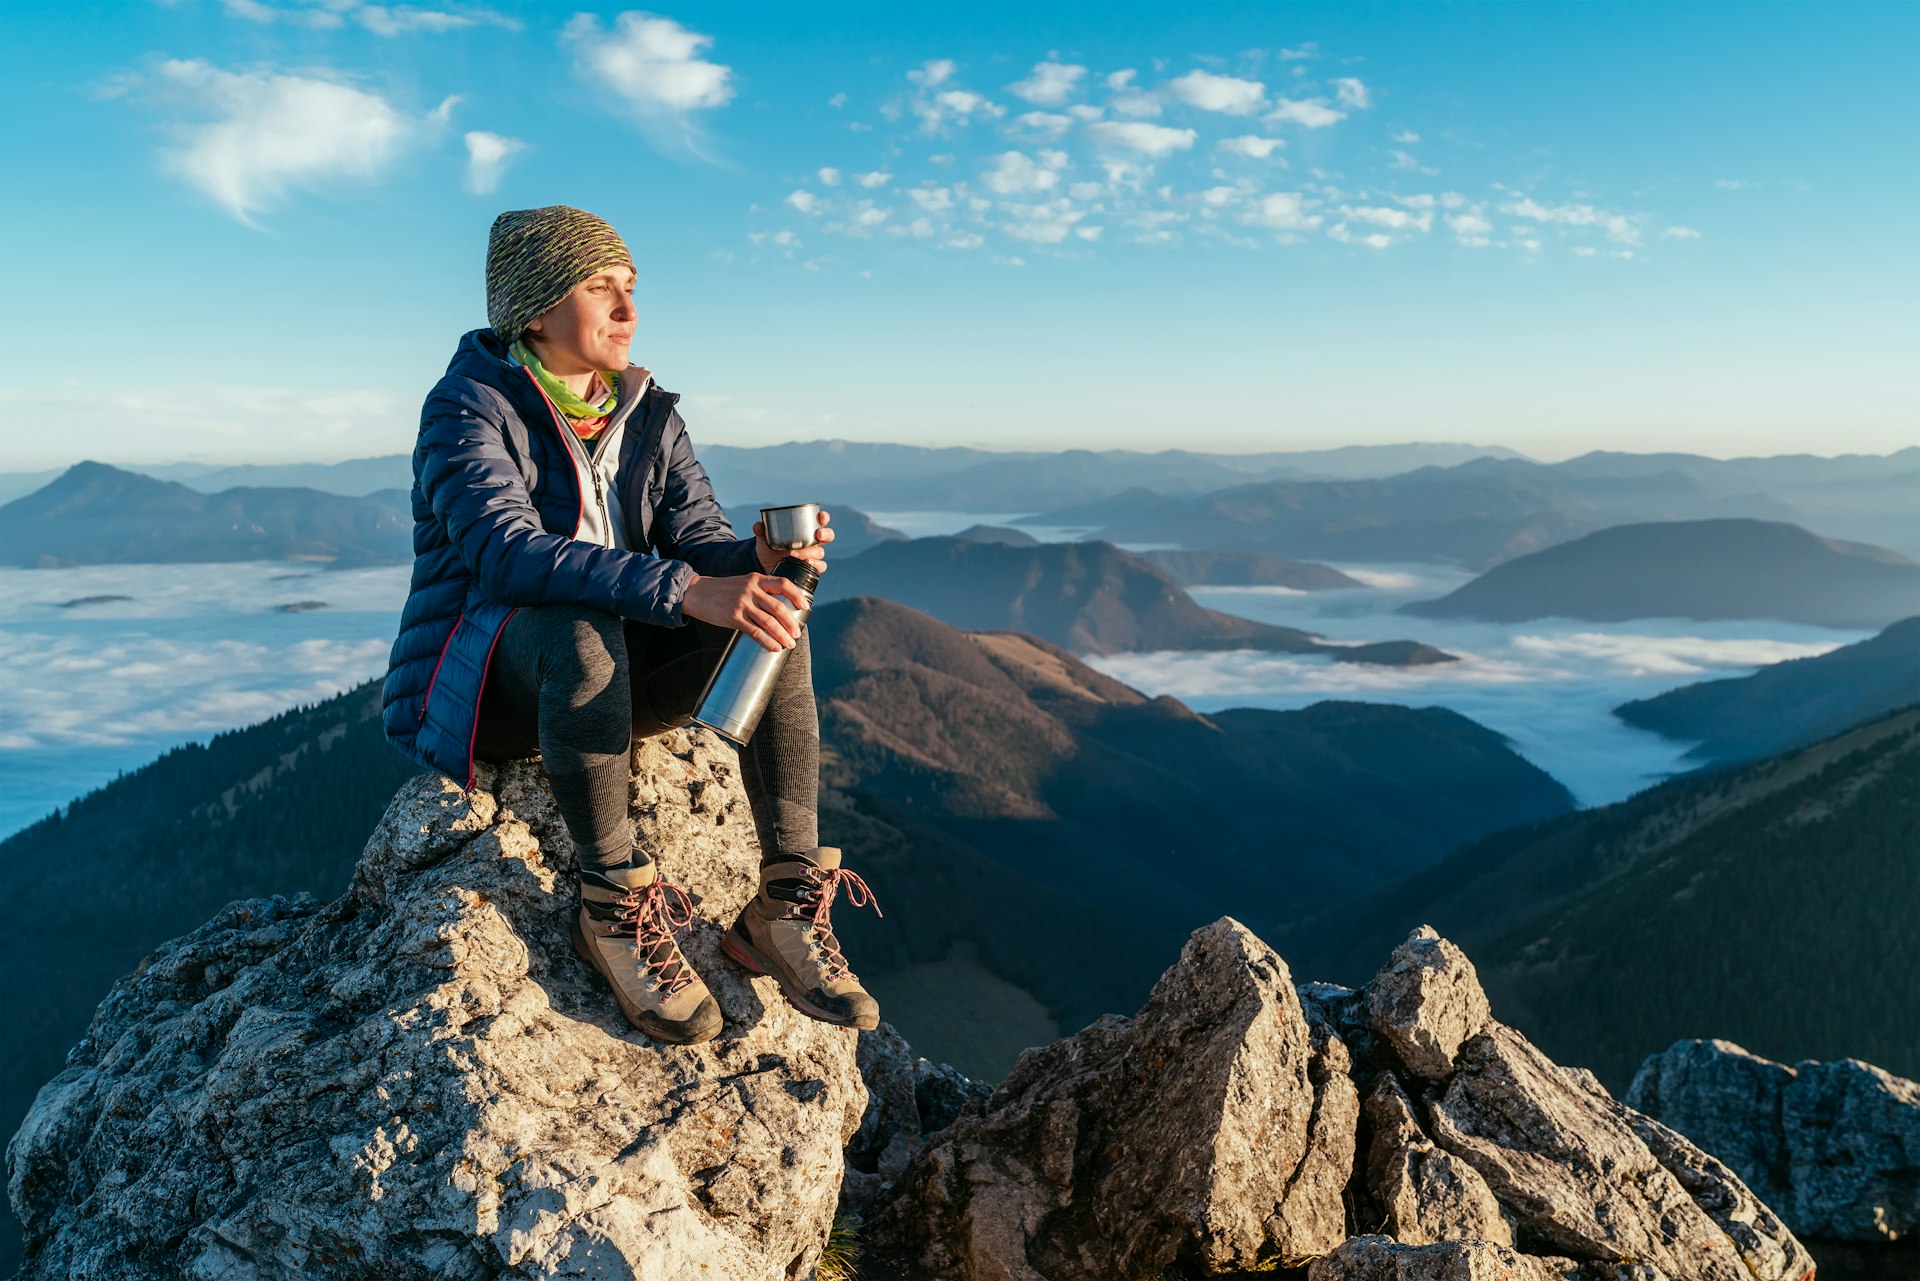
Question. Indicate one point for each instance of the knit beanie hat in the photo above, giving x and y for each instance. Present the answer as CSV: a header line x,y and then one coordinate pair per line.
x,y
536,256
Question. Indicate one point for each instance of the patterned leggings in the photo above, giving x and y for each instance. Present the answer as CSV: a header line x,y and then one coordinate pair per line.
x,y
577,685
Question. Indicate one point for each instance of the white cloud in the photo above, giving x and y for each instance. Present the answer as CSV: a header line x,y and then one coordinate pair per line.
x,y
1618,227
1134,103
1373,240
1045,122
1680,233
1251,145
878,178
1311,49
805,201
1406,137
1471,229
1015,173
1401,160
1283,211
1314,113
838,101
1082,111
1047,223
653,63
868,214
1119,80
931,74
487,157
1584,251
272,134
1153,140
1398,219
1228,95
381,20
1051,83
829,177
1349,92
933,199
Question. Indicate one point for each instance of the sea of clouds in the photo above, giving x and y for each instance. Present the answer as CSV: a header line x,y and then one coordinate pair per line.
x,y
92,690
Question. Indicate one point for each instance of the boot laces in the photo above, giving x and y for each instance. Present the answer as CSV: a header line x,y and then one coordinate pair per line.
x,y
825,883
653,912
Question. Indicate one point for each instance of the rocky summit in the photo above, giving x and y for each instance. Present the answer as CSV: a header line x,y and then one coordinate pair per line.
x,y
1222,1130
420,1079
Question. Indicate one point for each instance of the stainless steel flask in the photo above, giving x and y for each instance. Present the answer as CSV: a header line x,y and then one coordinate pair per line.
x,y
737,694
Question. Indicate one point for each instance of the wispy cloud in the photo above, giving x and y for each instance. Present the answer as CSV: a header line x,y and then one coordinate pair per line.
x,y
656,68
381,20
1140,136
272,133
1228,95
1141,156
1050,84
487,158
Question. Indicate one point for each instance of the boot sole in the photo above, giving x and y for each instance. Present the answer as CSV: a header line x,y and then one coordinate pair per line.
x,y
750,958
658,1028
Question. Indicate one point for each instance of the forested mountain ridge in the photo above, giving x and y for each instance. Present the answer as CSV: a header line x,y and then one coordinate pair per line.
x,y
1772,904
1786,704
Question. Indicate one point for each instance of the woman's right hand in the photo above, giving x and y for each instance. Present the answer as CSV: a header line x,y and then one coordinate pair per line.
x,y
760,605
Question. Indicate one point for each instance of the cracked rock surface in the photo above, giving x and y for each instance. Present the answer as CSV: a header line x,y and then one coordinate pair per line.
x,y
422,1079
1833,1146
1214,1129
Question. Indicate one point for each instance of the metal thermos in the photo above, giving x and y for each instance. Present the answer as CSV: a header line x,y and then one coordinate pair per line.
x,y
737,695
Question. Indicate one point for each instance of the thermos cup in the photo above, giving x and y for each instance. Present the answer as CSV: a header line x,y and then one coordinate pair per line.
x,y
737,694
791,528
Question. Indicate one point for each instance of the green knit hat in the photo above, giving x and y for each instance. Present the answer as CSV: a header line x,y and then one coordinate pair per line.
x,y
536,256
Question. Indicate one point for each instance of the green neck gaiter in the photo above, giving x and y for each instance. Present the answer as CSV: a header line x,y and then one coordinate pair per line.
x,y
569,404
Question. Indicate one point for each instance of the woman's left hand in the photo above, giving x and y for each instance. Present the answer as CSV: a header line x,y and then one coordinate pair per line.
x,y
816,554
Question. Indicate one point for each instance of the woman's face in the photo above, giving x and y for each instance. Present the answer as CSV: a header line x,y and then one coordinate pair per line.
x,y
591,328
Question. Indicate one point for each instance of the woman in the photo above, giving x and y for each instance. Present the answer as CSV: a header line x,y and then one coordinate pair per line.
x,y
574,585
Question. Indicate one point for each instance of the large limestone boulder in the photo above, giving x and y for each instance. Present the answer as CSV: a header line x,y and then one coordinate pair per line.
x,y
1833,1146
1215,1128
421,1079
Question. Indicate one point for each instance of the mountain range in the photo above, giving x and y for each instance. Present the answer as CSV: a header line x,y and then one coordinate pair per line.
x,y
1701,569
95,514
1785,705
1090,597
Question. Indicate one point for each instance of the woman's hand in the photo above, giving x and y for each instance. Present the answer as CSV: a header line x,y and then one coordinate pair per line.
x,y
816,555
760,605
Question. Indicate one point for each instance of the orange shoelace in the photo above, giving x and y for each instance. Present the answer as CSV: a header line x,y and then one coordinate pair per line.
x,y
654,912
827,883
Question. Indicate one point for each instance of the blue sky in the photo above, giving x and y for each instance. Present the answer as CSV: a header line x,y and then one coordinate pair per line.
x,y
253,230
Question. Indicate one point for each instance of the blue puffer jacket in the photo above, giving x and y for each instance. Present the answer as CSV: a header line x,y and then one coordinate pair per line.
x,y
497,500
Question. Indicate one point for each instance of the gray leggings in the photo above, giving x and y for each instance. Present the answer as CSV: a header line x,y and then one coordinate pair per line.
x,y
577,685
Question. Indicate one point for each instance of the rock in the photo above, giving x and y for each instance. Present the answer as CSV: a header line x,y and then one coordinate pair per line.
x,y
1375,1257
422,1079
1569,1167
943,1092
1834,1147
1426,1003
1427,1194
1216,1127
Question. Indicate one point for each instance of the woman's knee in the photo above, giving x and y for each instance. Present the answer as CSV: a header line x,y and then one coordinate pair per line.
x,y
580,646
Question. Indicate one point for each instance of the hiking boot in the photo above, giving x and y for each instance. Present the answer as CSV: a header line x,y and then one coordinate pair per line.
x,y
785,931
624,929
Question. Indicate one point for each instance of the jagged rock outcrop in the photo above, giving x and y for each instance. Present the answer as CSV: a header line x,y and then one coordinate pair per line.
x,y
1215,1127
422,1079
908,1098
1834,1147
1220,1130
